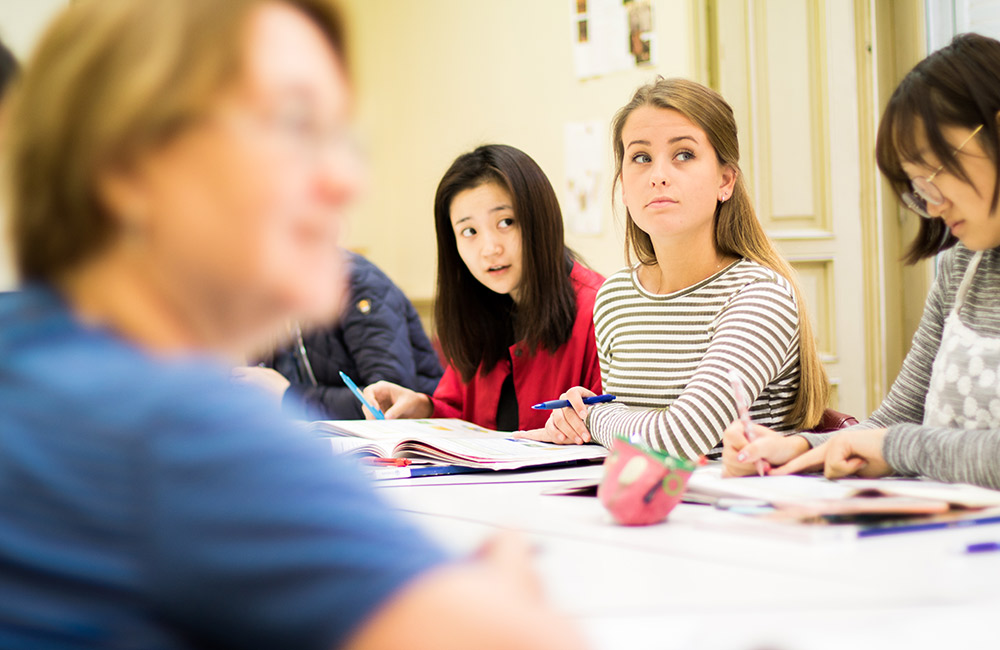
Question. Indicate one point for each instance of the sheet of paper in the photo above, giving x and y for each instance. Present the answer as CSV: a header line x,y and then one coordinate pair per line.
x,y
612,35
961,494
707,481
586,158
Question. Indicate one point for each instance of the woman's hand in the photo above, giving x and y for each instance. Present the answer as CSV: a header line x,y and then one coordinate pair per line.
x,y
511,555
851,452
565,426
397,402
739,457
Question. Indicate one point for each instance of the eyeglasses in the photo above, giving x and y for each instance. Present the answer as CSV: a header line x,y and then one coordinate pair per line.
x,y
299,131
925,191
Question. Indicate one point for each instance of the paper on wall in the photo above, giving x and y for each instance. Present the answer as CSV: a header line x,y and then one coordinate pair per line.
x,y
585,156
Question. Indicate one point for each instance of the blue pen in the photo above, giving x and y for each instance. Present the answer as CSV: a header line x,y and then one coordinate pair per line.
x,y
357,393
563,403
983,547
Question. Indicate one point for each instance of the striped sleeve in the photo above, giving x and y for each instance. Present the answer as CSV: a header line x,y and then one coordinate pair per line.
x,y
677,393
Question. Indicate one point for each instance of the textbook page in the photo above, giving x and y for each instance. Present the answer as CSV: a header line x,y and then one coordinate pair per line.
x,y
451,441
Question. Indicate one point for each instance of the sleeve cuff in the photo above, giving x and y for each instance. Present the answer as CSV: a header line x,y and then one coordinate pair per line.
x,y
898,439
815,439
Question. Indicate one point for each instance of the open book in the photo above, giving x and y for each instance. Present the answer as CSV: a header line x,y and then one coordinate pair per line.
x,y
449,442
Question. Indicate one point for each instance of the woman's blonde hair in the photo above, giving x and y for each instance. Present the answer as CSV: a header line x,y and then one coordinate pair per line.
x,y
737,231
110,80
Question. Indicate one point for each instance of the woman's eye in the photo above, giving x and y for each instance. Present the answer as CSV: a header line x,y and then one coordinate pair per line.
x,y
684,156
467,232
296,120
506,223
641,158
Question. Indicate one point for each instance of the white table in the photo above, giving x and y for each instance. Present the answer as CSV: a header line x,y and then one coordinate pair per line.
x,y
697,582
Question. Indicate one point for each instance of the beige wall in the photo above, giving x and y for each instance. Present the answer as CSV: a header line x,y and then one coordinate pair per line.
x,y
21,23
435,78
438,77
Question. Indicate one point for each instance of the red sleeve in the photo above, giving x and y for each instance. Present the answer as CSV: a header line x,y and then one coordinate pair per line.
x,y
448,397
592,364
588,283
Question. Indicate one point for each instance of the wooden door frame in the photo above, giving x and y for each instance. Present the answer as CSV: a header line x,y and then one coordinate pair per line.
x,y
890,38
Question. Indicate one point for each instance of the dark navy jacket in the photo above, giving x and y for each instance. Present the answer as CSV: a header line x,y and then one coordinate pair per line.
x,y
379,336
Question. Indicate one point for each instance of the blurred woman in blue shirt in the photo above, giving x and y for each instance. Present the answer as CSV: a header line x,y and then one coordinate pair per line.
x,y
178,173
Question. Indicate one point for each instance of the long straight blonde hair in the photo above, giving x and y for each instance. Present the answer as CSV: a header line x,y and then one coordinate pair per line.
x,y
737,231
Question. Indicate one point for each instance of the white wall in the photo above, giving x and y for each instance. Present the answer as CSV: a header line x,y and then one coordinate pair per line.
x,y
438,77
21,23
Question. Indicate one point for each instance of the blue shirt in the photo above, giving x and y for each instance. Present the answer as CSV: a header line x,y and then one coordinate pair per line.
x,y
147,502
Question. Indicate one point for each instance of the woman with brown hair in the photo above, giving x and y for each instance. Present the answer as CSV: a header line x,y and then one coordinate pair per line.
x,y
178,173
514,308
708,296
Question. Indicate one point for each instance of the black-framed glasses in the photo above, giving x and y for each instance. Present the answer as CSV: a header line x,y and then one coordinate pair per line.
x,y
925,191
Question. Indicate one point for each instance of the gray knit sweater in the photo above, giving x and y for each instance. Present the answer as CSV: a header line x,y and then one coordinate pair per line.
x,y
911,448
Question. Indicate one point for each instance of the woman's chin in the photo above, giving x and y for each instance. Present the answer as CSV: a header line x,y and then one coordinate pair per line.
x,y
321,306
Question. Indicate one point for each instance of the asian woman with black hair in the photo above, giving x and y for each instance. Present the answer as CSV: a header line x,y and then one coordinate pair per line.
x,y
939,147
514,307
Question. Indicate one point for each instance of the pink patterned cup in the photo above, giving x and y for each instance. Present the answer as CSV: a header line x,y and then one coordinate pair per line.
x,y
641,486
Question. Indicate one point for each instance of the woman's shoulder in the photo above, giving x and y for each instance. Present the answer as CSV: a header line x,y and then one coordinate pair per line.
x,y
951,266
586,284
585,278
101,380
617,284
748,274
953,262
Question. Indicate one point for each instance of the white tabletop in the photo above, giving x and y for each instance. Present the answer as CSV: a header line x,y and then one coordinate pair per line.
x,y
703,580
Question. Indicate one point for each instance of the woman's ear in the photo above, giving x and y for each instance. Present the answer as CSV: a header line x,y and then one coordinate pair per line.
x,y
121,194
728,182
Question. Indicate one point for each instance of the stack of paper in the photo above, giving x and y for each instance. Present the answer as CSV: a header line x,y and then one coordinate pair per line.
x,y
814,507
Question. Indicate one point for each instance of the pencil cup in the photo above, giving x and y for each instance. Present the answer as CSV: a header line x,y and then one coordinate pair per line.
x,y
641,486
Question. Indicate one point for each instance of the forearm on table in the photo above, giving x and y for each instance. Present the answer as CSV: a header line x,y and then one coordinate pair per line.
x,y
659,429
953,455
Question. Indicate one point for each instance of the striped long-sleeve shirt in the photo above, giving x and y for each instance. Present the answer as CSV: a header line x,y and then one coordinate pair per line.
x,y
911,448
667,357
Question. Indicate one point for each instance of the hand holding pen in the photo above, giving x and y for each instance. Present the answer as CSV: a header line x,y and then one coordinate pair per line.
x,y
357,393
743,413
567,423
565,403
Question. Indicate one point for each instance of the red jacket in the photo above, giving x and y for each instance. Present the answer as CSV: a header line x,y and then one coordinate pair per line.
x,y
537,377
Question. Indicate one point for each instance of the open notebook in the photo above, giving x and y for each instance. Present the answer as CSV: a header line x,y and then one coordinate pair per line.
x,y
449,442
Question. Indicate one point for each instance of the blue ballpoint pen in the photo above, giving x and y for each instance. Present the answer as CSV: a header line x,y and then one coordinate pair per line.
x,y
563,403
357,393
983,547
